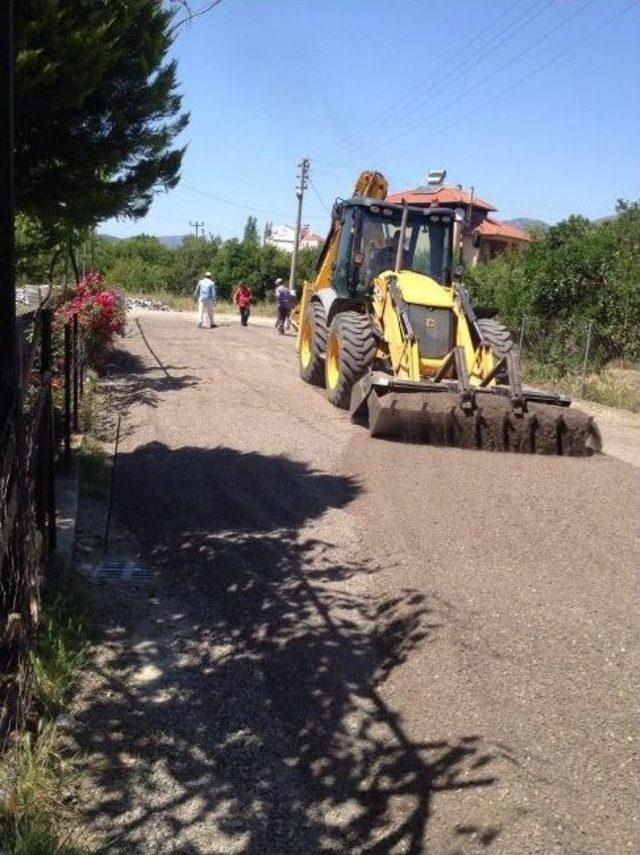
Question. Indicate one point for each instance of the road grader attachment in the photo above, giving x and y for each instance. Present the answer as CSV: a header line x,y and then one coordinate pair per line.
x,y
388,328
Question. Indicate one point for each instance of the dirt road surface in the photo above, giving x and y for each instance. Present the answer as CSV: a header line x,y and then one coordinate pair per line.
x,y
351,645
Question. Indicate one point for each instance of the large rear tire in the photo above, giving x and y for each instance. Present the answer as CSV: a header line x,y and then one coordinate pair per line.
x,y
350,351
499,337
313,343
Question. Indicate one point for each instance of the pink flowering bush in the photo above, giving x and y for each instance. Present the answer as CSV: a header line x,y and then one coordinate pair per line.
x,y
101,316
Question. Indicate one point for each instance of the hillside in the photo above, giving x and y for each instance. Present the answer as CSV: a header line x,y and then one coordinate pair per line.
x,y
170,241
528,224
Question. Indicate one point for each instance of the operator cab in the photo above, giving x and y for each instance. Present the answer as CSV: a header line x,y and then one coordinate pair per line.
x,y
371,234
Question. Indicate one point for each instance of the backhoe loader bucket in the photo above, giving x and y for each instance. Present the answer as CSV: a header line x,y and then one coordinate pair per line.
x,y
485,419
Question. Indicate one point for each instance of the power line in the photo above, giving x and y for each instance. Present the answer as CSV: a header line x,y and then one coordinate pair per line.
x,y
490,76
242,205
469,64
319,197
557,56
418,86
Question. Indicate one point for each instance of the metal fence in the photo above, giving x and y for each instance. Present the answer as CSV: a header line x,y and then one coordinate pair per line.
x,y
36,437
563,352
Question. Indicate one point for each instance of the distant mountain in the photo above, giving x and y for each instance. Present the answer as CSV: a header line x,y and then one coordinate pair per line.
x,y
527,224
170,241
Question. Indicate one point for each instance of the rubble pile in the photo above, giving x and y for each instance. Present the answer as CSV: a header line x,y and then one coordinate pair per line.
x,y
144,303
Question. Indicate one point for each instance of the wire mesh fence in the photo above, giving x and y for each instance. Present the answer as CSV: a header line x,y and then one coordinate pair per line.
x,y
36,430
570,355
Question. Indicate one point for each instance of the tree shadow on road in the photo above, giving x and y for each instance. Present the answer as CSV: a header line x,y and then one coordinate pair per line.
x,y
239,709
129,382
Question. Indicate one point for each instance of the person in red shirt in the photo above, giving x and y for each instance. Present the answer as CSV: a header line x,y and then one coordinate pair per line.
x,y
242,299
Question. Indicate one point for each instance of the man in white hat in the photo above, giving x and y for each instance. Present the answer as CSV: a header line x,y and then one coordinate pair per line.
x,y
206,295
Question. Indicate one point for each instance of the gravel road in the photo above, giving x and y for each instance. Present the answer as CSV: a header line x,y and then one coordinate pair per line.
x,y
351,645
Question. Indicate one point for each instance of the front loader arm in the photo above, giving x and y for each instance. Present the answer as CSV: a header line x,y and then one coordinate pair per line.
x,y
370,184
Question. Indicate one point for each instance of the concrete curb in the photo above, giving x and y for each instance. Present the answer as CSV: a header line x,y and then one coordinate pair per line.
x,y
67,487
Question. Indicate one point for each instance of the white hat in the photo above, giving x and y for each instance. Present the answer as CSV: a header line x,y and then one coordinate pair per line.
x,y
208,273
278,281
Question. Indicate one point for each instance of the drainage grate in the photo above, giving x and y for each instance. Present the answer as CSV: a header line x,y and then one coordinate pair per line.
x,y
114,569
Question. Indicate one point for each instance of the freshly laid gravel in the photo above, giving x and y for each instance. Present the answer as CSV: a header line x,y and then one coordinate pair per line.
x,y
351,645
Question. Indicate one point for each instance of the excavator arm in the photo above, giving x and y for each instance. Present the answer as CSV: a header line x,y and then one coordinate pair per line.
x,y
369,184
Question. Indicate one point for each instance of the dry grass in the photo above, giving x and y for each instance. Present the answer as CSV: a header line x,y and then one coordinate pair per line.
x,y
38,779
62,649
37,775
617,385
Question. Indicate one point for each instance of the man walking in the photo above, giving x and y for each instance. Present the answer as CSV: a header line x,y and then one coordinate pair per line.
x,y
242,299
284,302
206,296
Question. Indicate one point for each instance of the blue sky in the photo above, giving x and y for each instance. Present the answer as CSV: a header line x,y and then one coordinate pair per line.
x,y
536,103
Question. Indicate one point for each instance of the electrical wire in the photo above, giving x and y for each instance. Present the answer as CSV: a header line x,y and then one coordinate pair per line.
x,y
319,197
469,63
245,207
418,86
480,83
557,56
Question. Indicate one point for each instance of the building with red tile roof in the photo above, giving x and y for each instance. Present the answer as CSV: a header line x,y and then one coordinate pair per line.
x,y
440,195
483,237
491,228
309,238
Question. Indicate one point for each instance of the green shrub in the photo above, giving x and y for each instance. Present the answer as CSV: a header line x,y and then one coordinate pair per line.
x,y
578,271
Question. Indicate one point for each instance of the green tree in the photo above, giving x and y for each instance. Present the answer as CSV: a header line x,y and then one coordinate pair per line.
x,y
251,230
578,271
97,110
34,250
135,275
140,263
274,264
191,260
307,262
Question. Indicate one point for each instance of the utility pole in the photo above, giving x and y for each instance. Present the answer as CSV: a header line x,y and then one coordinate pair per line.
x,y
8,361
197,226
302,186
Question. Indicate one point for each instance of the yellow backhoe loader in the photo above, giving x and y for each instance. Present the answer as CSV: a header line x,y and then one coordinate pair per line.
x,y
388,328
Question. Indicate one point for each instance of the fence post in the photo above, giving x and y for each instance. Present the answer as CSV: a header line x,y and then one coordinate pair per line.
x,y
521,334
45,343
67,395
81,362
51,476
41,436
48,434
75,372
586,359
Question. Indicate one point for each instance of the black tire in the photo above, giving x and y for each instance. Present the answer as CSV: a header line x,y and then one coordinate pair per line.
x,y
499,337
315,325
351,335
